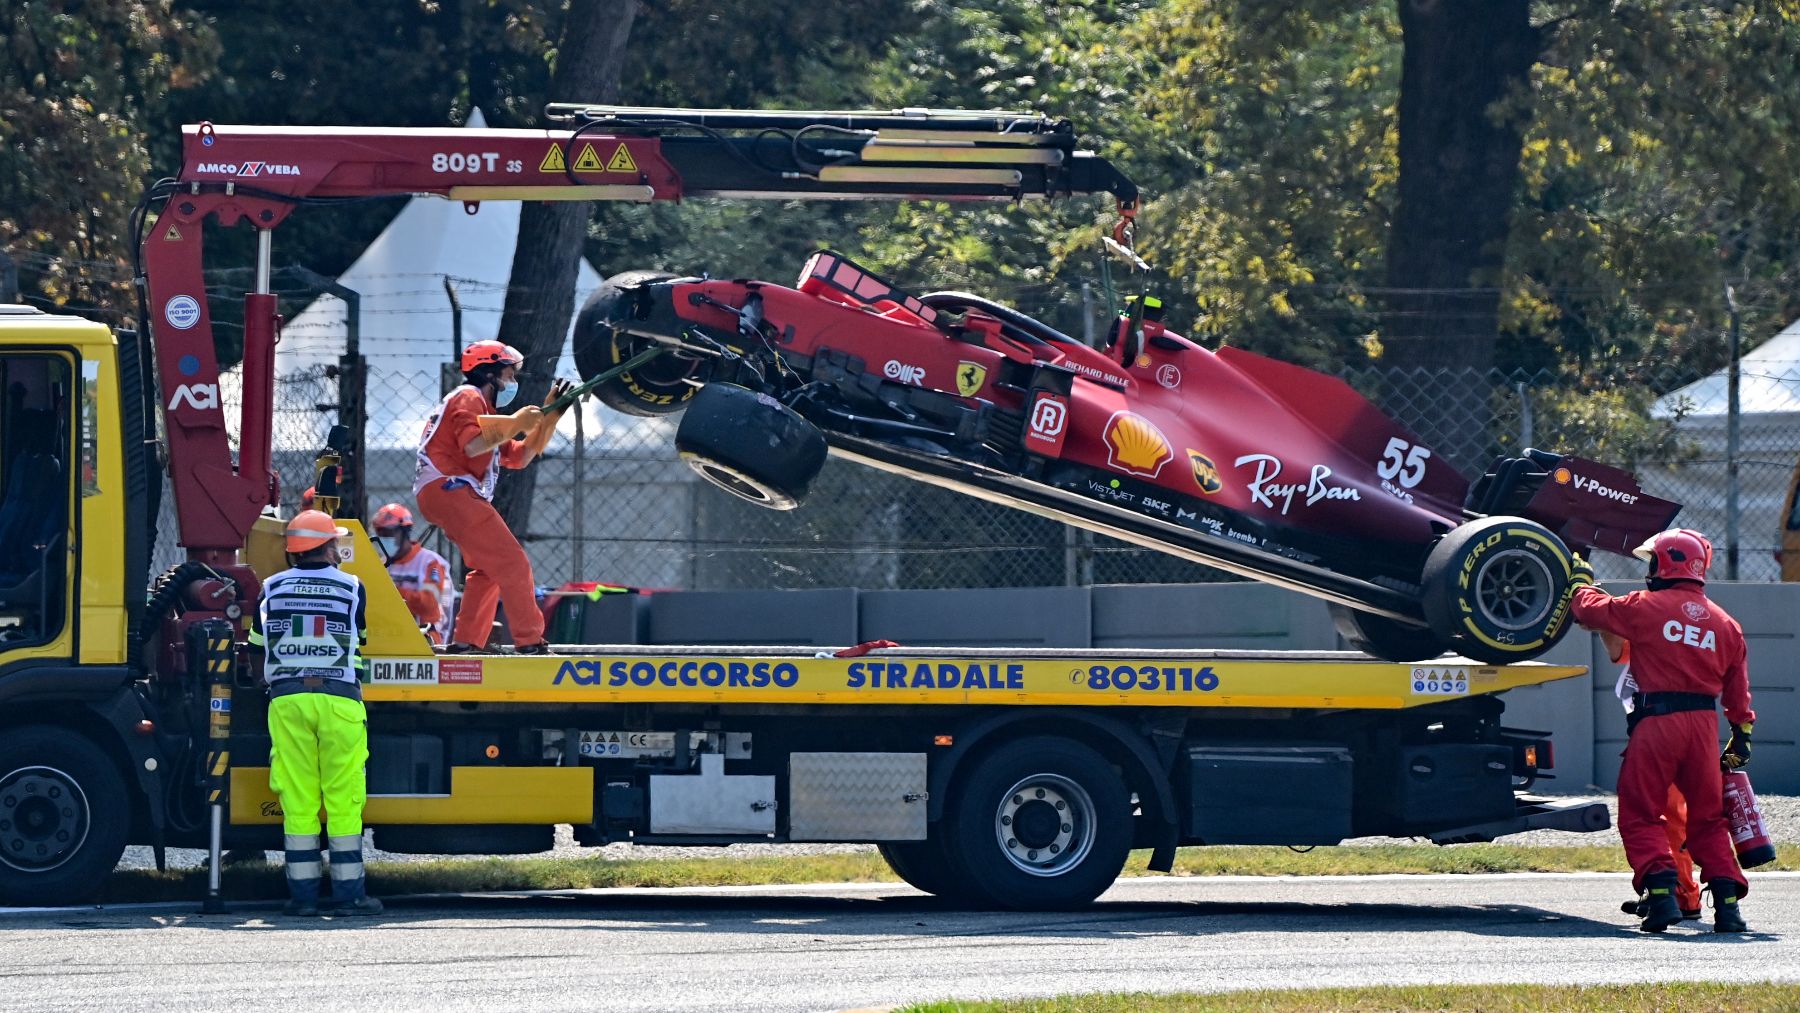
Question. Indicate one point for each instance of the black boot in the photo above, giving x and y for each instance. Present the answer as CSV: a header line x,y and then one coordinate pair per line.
x,y
1726,916
1657,909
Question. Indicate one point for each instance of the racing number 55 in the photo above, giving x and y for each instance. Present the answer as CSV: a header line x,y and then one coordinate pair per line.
x,y
1403,462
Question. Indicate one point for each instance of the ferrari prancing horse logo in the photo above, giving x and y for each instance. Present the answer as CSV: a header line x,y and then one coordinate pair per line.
x,y
969,378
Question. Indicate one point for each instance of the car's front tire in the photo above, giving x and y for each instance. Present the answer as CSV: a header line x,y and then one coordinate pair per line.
x,y
662,386
1498,589
750,445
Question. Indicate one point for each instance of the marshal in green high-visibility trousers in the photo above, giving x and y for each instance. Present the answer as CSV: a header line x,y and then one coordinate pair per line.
x,y
311,626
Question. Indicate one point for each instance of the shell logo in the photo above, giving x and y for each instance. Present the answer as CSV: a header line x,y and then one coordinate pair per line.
x,y
1135,446
1562,476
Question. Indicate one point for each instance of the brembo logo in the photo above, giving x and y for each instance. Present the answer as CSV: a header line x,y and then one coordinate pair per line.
x,y
248,169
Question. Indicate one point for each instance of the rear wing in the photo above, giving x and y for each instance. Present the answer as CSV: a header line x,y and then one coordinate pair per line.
x,y
1588,504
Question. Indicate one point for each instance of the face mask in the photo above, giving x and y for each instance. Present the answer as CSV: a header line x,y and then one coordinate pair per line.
x,y
390,546
505,396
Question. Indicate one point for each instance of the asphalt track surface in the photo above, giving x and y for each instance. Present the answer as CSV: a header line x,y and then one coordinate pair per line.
x,y
836,948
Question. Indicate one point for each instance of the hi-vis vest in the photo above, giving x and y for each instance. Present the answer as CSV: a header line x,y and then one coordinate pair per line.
x,y
427,472
309,626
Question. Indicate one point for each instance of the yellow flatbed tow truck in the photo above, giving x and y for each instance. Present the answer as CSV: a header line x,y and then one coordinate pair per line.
x,y
1013,779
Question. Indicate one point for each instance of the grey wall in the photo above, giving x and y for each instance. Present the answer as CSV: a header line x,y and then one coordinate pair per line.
x,y
1582,715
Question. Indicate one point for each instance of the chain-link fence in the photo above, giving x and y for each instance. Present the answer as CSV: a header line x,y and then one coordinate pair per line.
x,y
613,503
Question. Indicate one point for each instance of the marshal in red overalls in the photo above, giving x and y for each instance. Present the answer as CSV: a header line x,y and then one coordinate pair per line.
x,y
1686,655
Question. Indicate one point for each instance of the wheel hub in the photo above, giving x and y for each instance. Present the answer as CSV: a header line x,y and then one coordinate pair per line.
x,y
43,818
1045,824
1514,589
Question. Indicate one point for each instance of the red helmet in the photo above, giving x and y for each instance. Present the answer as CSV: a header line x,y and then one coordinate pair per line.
x,y
1677,554
392,516
484,353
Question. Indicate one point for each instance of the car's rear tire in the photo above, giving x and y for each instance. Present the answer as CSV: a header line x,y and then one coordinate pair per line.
x,y
750,445
662,386
1381,637
1498,589
1039,824
64,816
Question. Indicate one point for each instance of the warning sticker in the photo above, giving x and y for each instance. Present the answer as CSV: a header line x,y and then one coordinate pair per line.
x,y
588,160
553,160
621,161
1440,681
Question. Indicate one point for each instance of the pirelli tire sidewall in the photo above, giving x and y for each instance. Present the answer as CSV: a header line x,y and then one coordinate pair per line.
x,y
751,445
659,387
1498,589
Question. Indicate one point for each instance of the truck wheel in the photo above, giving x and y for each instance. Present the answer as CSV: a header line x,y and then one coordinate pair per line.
x,y
923,865
750,445
63,817
1498,589
1381,637
662,386
1041,824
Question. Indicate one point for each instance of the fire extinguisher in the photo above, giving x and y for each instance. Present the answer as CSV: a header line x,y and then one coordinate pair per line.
x,y
1748,833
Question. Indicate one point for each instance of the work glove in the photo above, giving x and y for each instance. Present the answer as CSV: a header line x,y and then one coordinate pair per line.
x,y
557,389
1580,572
1737,751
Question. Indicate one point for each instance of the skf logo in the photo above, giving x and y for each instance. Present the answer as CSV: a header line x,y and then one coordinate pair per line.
x,y
969,378
1135,446
1206,474
1048,425
904,373
203,396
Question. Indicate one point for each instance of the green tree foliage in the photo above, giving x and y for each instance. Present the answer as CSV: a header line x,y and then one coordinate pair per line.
x,y
80,86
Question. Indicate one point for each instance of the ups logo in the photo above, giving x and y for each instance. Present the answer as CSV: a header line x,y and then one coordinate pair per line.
x,y
1206,474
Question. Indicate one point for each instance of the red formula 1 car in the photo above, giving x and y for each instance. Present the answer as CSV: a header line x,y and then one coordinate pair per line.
x,y
1228,458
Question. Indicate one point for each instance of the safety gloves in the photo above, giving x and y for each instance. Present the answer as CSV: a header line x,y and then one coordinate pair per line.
x,y
1580,572
1737,750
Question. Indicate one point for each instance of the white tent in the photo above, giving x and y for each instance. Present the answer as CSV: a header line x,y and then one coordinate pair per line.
x,y
1768,446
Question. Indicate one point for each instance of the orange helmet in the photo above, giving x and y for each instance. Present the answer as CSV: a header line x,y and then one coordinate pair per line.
x,y
310,529
1677,554
486,353
392,516
306,498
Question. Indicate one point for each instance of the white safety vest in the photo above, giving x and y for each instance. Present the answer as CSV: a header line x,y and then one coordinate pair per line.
x,y
309,625
411,576
427,472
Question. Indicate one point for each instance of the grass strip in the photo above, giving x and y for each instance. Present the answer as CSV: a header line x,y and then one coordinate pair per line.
x,y
1663,997
560,872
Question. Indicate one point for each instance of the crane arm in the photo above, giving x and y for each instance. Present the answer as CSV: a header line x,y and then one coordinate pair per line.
x,y
259,174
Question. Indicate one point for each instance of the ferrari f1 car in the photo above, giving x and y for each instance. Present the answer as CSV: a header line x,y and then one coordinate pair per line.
x,y
1224,457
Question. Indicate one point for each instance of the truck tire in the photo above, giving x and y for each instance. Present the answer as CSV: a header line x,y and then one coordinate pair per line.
x,y
750,445
662,386
1040,824
924,866
1381,637
1498,589
64,816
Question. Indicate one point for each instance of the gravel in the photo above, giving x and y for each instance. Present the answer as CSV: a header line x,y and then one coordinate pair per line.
x,y
1780,812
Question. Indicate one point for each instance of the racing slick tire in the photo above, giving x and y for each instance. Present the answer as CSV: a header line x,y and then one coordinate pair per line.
x,y
1384,638
1498,589
750,445
64,816
662,386
1040,824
